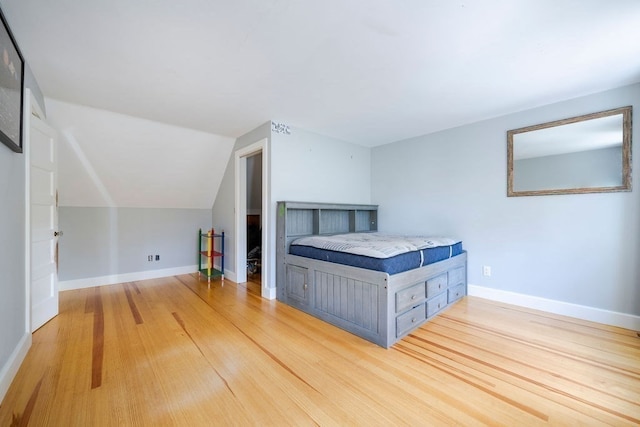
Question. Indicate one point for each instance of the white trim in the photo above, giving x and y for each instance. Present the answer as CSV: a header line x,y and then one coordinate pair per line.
x,y
622,320
35,106
230,275
241,212
268,293
112,279
26,151
10,369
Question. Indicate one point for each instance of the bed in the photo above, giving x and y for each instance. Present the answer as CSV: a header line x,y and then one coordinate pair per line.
x,y
380,301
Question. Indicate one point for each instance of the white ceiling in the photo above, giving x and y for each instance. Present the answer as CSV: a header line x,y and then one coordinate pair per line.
x,y
369,71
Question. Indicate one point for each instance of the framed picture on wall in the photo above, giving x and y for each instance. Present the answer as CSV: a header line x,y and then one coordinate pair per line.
x,y
11,84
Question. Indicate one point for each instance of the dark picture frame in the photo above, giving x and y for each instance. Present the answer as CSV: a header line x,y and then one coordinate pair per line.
x,y
11,88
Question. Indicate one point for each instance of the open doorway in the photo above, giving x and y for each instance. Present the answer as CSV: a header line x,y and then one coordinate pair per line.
x,y
247,180
254,222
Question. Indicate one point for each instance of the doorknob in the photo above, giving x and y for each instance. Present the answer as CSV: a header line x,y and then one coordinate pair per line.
x,y
57,233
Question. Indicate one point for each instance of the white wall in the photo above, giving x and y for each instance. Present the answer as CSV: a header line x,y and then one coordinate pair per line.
x,y
579,249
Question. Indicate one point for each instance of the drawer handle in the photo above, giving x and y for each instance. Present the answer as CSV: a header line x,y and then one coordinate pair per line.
x,y
438,305
413,297
413,320
305,286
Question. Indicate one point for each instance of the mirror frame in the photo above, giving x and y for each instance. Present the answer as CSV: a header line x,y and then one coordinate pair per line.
x,y
626,154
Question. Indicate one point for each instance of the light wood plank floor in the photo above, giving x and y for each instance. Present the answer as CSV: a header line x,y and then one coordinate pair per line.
x,y
174,352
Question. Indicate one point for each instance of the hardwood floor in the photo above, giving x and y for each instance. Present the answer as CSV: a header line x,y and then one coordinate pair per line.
x,y
173,352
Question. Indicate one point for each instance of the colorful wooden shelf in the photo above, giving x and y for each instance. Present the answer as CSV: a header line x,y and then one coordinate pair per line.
x,y
210,247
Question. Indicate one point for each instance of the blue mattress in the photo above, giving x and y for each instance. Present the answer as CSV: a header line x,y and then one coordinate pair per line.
x,y
392,265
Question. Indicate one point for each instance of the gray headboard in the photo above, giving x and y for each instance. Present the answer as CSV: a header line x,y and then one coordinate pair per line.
x,y
298,219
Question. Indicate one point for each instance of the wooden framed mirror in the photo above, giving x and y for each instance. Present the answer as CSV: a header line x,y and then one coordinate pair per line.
x,y
584,154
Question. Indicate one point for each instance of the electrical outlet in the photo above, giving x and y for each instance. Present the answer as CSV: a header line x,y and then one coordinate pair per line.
x,y
157,257
486,271
150,258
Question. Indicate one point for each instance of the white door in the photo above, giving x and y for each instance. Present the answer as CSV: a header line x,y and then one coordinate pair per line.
x,y
44,223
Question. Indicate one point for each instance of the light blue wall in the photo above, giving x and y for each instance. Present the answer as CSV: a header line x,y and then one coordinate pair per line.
x,y
14,324
12,252
304,166
311,167
109,241
582,249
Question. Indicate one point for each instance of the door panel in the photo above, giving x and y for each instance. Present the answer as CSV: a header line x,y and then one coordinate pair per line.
x,y
44,223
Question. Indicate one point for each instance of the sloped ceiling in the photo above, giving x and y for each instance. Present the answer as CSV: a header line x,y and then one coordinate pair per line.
x,y
109,159
368,72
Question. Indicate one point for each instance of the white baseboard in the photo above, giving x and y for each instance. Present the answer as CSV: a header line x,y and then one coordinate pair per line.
x,y
10,369
623,320
90,282
231,275
269,293
112,279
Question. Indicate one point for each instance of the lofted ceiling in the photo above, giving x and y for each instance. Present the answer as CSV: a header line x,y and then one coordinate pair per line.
x,y
368,72
114,160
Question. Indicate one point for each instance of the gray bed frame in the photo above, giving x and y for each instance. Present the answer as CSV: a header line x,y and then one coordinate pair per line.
x,y
374,305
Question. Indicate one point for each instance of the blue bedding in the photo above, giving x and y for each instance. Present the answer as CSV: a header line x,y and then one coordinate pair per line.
x,y
394,256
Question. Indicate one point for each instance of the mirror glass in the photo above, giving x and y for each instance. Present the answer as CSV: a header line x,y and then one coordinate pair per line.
x,y
585,154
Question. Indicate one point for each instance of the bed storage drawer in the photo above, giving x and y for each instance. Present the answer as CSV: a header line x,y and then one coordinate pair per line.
x,y
409,297
407,321
436,304
436,285
457,276
455,293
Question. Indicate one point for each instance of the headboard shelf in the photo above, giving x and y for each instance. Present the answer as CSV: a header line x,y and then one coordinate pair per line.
x,y
299,219
304,219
